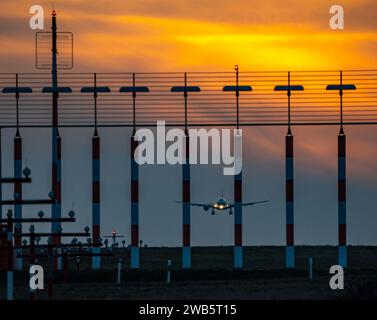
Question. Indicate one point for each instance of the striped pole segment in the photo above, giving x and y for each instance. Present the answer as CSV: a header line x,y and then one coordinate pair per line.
x,y
289,188
17,90
134,175
18,173
56,146
342,223
342,208
289,177
96,234
57,192
186,210
18,192
289,196
10,279
186,184
134,206
238,249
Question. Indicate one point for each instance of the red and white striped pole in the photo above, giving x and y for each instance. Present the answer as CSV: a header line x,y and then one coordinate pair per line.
x,y
186,211
186,186
289,195
134,205
18,174
342,208
238,245
289,187
342,222
96,260
58,195
96,186
134,176
18,192
134,189
342,211
238,248
96,233
289,178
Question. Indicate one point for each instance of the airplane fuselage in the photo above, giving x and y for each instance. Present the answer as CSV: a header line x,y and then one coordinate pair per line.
x,y
221,204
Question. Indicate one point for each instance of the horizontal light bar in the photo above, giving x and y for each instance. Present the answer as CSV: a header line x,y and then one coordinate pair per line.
x,y
185,89
289,88
54,234
94,89
114,236
62,245
76,254
27,202
341,87
15,180
38,220
17,90
60,90
240,88
134,89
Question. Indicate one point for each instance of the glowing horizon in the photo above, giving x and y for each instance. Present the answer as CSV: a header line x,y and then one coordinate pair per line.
x,y
191,36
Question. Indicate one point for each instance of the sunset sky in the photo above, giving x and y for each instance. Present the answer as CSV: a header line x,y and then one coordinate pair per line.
x,y
169,35
210,35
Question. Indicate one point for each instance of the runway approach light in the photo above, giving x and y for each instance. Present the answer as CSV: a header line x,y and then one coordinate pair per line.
x,y
133,89
60,90
185,89
240,88
341,87
95,90
17,90
289,88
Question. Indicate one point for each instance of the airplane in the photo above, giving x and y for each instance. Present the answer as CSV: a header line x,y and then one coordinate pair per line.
x,y
114,236
221,204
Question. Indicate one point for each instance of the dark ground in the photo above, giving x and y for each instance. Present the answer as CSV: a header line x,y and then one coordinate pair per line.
x,y
212,276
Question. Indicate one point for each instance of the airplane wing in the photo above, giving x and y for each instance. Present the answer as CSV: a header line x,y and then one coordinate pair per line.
x,y
249,203
203,205
252,203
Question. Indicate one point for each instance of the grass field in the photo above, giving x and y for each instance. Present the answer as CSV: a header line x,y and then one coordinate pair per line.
x,y
213,277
